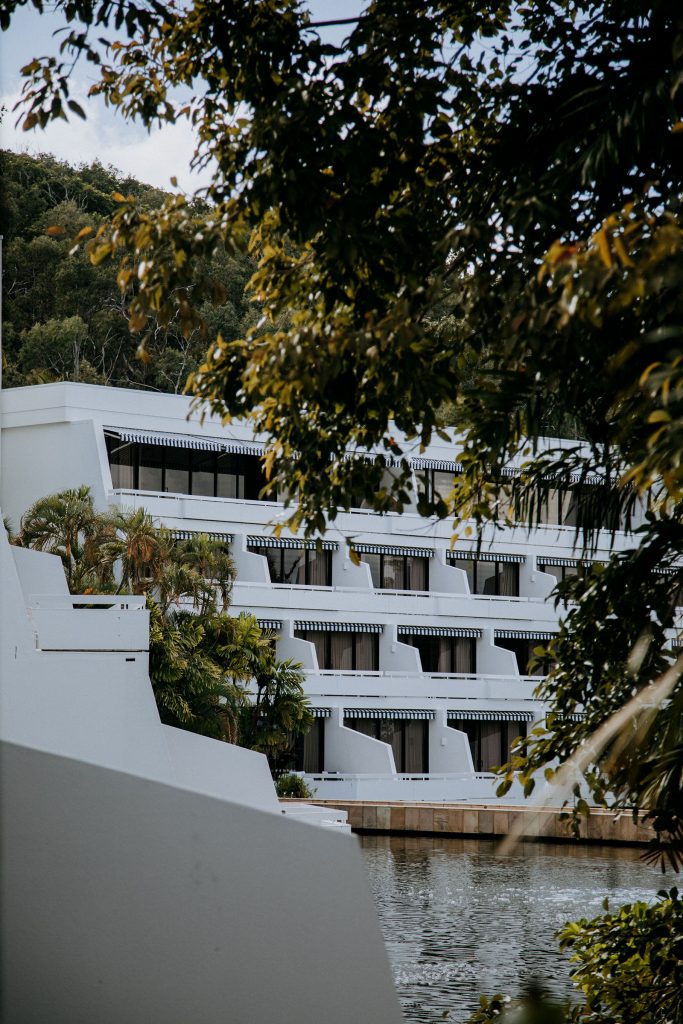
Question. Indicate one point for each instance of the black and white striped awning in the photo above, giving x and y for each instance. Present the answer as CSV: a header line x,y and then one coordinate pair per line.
x,y
483,556
272,624
209,444
576,716
227,538
553,560
293,543
338,627
444,465
523,634
490,716
320,712
388,713
439,631
390,549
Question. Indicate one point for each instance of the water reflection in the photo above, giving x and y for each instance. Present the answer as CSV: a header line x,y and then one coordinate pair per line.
x,y
460,920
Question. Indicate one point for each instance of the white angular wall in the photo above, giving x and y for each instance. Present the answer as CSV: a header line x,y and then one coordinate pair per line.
x,y
149,875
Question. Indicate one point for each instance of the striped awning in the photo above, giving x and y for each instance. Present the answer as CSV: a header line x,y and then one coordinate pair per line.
x,y
523,634
338,627
388,713
445,465
294,543
227,538
577,716
320,712
552,560
490,716
439,631
483,556
273,624
390,549
202,443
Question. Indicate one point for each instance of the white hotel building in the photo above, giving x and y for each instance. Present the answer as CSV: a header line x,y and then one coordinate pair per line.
x,y
415,660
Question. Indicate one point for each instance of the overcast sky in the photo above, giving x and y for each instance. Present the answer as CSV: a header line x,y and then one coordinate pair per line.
x,y
151,157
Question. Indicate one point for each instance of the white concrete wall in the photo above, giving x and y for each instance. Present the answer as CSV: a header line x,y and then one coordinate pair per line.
x,y
301,651
533,582
432,788
125,899
445,578
348,750
346,574
395,656
449,749
45,459
251,568
221,769
39,573
149,875
494,660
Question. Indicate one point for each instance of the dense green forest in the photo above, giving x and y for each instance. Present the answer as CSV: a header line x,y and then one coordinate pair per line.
x,y
65,318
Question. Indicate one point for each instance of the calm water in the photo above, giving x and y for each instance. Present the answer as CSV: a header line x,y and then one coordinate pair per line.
x,y
459,920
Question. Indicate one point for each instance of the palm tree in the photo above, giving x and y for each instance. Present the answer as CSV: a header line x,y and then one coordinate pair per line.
x,y
139,549
211,559
280,712
67,525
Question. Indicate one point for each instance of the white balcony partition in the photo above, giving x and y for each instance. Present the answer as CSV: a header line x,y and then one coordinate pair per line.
x,y
346,749
449,749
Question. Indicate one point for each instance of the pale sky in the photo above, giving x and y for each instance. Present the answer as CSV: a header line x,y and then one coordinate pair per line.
x,y
152,157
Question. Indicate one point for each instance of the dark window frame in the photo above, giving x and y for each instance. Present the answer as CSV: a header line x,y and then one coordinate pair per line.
x,y
477,562
410,639
248,474
473,728
303,634
270,552
407,564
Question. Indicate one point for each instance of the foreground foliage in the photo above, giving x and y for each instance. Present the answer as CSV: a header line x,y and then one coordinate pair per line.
x,y
511,175
204,663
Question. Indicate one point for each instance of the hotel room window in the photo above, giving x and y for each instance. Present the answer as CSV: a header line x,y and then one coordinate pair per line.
x,y
398,572
344,652
453,654
298,566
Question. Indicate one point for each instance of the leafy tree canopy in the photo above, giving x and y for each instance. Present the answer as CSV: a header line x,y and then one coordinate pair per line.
x,y
48,286
518,167
440,146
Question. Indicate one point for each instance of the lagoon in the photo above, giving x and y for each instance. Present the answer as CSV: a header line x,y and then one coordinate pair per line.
x,y
459,920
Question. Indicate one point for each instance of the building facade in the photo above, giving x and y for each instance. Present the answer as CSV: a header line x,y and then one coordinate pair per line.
x,y
417,659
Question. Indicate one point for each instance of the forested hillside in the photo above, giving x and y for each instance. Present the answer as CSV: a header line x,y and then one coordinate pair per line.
x,y
65,319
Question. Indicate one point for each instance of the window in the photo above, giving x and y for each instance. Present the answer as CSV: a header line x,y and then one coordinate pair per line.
x,y
490,741
523,650
500,579
297,566
122,463
445,653
566,572
409,740
436,483
165,468
309,750
344,651
398,572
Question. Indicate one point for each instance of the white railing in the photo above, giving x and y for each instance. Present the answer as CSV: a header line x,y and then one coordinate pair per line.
x,y
381,592
451,787
463,677
77,602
